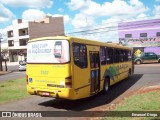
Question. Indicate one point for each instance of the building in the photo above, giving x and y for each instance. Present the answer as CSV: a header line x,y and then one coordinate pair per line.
x,y
143,36
20,32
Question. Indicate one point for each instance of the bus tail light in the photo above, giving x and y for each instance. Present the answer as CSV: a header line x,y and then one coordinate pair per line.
x,y
27,79
68,82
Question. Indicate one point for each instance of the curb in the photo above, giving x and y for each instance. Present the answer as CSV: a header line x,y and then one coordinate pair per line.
x,y
5,72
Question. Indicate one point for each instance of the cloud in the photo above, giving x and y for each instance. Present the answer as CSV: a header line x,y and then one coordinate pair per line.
x,y
112,12
66,17
5,14
28,3
35,14
120,9
117,7
81,20
3,34
32,14
60,10
156,11
77,4
142,16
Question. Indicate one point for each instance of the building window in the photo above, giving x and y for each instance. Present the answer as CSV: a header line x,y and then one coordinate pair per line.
x,y
143,34
158,34
10,43
23,42
10,33
128,35
23,32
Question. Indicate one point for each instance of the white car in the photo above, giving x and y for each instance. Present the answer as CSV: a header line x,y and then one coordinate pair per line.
x,y
22,66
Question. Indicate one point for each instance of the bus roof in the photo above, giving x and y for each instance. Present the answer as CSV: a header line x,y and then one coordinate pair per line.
x,y
82,40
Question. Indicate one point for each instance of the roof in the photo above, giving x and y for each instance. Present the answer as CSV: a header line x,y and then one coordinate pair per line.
x,y
82,40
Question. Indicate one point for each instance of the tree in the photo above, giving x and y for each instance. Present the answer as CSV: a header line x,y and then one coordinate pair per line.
x,y
5,53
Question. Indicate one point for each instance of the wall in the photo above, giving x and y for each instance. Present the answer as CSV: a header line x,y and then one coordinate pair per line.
x,y
151,27
55,27
135,28
152,49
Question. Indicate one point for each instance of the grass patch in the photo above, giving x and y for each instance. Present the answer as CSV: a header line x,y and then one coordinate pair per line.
x,y
139,102
13,90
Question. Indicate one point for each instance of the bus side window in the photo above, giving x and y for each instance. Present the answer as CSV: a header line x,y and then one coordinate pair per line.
x,y
92,65
129,55
121,55
80,55
116,55
109,55
125,57
103,55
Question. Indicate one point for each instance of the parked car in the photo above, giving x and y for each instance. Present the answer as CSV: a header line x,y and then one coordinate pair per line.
x,y
22,66
147,57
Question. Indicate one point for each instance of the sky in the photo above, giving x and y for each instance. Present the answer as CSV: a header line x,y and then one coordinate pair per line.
x,y
93,19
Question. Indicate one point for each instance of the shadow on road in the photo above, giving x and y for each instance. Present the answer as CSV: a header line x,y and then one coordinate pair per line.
x,y
94,101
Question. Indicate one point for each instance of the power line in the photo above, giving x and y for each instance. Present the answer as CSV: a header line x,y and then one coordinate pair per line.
x,y
131,26
146,23
112,22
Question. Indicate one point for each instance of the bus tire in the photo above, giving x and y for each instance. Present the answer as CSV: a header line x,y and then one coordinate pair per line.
x,y
138,62
106,85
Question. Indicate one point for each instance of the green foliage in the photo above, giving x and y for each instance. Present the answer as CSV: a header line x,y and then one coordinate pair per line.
x,y
13,90
139,102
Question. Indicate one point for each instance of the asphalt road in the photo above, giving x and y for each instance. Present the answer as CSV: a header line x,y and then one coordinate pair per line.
x,y
13,75
145,75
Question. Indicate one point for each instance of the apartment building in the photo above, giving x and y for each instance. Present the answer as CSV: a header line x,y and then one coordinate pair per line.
x,y
143,36
20,32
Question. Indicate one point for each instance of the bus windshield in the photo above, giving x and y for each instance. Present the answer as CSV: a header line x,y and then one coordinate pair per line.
x,y
48,51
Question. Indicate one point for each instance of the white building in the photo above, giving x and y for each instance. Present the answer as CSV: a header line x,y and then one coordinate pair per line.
x,y
20,32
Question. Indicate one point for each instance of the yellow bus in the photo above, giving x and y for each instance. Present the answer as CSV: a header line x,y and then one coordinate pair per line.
x,y
74,68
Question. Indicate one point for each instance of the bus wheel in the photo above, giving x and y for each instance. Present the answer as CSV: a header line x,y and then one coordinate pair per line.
x,y
138,62
106,85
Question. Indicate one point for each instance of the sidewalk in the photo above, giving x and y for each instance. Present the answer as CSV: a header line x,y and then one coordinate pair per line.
x,y
5,72
9,64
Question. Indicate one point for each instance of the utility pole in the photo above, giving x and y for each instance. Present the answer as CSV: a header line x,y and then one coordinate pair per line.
x,y
1,68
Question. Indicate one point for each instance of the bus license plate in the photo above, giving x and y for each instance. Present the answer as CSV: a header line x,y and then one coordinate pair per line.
x,y
45,94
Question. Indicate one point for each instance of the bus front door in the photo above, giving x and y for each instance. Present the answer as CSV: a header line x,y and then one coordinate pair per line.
x,y
94,72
